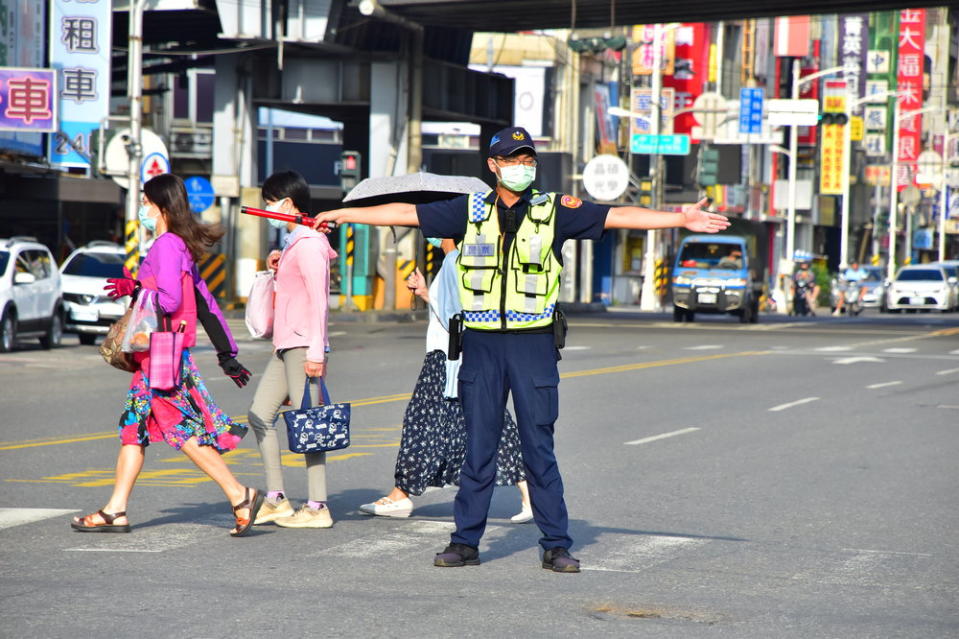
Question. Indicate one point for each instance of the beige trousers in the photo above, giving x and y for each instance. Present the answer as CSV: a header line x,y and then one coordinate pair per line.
x,y
284,378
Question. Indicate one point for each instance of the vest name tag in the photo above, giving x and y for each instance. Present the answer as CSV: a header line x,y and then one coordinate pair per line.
x,y
480,250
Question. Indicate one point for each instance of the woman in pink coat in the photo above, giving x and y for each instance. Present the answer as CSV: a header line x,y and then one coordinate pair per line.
x,y
302,285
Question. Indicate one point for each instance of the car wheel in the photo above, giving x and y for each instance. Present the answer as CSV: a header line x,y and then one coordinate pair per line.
x,y
54,335
88,339
8,332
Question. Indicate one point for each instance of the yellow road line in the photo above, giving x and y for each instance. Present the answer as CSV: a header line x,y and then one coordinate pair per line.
x,y
664,362
72,440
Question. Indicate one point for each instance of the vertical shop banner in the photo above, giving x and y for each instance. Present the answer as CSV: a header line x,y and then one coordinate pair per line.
x,y
604,121
854,51
22,44
27,101
912,41
641,101
831,149
791,37
690,69
80,43
644,35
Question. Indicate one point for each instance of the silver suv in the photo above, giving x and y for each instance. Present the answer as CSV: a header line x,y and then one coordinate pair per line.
x,y
31,303
89,311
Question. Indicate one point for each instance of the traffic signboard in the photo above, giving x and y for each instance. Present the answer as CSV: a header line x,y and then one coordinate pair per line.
x,y
792,112
200,193
645,144
751,109
153,165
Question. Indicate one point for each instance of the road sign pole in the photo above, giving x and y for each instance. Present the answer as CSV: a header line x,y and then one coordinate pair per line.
x,y
135,91
793,157
893,194
846,150
647,298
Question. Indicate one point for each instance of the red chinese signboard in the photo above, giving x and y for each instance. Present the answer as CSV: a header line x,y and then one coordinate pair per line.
x,y
912,41
690,68
27,100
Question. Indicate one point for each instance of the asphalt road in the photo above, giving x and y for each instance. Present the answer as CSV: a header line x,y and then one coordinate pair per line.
x,y
784,479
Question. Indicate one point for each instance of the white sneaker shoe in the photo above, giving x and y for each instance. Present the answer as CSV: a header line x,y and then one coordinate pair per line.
x,y
523,517
386,507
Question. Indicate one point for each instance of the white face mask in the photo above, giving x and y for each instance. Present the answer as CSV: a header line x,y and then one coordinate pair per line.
x,y
517,178
275,208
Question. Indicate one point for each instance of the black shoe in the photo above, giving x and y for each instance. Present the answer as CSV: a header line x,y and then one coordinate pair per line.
x,y
559,560
457,555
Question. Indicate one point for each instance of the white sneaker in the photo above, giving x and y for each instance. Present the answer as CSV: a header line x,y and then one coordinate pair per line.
x,y
386,507
523,517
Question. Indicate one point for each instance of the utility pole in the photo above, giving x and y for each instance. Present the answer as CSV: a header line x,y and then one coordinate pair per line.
x,y
647,299
133,147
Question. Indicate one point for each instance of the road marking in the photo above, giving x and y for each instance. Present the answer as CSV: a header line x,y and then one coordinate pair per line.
x,y
10,517
390,544
857,360
646,440
577,348
955,352
948,371
883,385
704,347
948,406
399,397
635,553
899,350
833,349
159,537
798,402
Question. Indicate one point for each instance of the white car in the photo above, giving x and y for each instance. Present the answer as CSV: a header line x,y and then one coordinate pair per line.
x,y
921,286
30,298
89,311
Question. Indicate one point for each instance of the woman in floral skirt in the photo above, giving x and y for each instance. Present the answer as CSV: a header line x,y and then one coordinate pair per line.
x,y
186,416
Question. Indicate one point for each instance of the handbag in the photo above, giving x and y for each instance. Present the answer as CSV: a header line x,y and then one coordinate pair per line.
x,y
111,349
316,429
166,357
259,306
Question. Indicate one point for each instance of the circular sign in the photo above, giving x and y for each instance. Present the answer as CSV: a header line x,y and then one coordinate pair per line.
x,y
910,196
606,177
117,160
709,111
153,165
200,193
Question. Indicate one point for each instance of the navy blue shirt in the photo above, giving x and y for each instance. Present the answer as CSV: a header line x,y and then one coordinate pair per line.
x,y
575,219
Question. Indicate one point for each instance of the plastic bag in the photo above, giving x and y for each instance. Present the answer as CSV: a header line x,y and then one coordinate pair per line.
x,y
259,306
143,323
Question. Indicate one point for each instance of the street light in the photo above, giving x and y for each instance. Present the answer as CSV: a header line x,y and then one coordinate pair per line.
x,y
797,82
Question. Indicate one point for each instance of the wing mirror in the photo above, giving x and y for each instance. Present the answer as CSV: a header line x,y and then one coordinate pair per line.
x,y
24,278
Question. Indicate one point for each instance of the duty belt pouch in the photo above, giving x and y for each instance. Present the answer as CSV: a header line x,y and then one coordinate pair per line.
x,y
559,329
456,337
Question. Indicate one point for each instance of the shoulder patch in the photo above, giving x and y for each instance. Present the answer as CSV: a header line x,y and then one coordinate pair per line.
x,y
570,202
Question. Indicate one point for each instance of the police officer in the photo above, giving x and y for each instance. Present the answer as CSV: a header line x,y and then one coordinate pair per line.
x,y
510,241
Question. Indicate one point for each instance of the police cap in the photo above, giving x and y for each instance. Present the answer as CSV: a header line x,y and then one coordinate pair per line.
x,y
510,140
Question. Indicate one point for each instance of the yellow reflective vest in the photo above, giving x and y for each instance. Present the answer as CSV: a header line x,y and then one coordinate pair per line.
x,y
509,292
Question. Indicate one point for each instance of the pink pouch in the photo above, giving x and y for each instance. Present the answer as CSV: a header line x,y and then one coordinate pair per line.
x,y
166,359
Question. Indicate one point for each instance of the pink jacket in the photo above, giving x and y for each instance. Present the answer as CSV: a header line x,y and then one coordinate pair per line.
x,y
302,294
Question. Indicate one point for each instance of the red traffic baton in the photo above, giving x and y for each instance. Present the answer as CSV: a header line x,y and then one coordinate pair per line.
x,y
305,220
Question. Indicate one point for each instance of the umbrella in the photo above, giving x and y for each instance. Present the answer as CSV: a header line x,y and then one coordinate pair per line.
x,y
413,188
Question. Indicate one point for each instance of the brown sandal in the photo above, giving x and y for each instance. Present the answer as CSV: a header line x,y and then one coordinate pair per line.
x,y
86,524
253,502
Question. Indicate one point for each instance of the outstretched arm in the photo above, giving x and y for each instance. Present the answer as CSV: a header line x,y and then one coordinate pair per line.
x,y
693,217
393,214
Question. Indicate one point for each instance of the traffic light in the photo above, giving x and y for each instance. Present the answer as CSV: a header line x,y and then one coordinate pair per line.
x,y
597,45
645,193
708,169
833,118
350,169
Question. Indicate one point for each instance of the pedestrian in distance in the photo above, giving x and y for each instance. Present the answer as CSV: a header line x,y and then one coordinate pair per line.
x,y
433,442
186,416
510,241
300,342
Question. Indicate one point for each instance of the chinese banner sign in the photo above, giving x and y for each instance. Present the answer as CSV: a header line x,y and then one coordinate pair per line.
x,y
832,145
912,41
691,67
22,44
27,101
641,101
80,42
854,49
645,35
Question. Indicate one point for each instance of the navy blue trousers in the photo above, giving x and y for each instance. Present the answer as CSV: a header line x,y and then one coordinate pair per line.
x,y
494,365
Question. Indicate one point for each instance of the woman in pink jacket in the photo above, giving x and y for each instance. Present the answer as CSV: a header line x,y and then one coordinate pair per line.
x,y
302,285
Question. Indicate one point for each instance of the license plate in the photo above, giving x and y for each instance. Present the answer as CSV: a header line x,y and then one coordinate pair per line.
x,y
706,298
85,314
916,301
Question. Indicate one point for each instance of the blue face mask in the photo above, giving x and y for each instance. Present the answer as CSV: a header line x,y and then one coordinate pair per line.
x,y
275,208
149,223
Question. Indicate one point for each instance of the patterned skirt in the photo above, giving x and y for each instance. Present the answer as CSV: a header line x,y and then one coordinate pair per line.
x,y
177,415
433,444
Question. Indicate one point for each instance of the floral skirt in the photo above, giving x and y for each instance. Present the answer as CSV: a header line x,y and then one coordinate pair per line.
x,y
177,415
433,444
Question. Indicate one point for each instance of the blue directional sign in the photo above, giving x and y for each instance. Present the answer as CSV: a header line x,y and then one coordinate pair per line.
x,y
200,193
659,144
751,110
